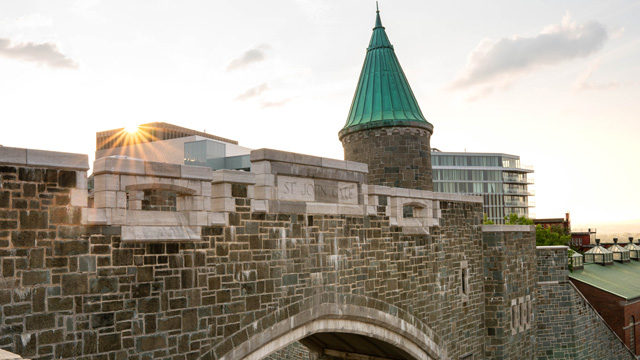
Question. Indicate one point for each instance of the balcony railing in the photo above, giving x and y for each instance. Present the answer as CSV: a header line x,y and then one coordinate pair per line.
x,y
520,192
516,179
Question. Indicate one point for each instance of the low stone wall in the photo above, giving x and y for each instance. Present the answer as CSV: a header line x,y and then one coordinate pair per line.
x,y
567,326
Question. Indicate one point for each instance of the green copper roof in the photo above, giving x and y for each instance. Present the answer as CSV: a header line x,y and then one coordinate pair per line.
x,y
383,96
618,279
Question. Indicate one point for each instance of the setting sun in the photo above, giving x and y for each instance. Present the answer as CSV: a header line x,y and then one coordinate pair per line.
x,y
131,129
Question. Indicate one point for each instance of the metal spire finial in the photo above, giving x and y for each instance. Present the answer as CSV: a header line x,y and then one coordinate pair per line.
x,y
377,10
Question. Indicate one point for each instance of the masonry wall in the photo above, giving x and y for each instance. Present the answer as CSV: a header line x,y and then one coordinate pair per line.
x,y
510,278
70,291
567,326
397,156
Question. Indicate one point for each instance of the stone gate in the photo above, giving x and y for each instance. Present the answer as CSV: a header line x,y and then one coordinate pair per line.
x,y
162,261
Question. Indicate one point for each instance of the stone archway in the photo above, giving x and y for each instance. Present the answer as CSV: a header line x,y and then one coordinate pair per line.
x,y
392,336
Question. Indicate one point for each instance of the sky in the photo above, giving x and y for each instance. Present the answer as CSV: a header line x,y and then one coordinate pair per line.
x,y
555,82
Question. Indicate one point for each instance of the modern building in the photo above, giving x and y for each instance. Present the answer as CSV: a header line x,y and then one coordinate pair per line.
x,y
563,223
162,142
499,178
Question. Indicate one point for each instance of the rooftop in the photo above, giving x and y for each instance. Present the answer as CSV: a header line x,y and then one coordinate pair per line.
x,y
383,96
618,279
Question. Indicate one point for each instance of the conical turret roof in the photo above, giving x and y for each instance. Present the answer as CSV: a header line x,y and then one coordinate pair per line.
x,y
383,96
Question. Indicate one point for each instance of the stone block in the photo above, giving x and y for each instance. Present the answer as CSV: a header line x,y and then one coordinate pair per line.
x,y
259,206
57,159
333,163
40,322
91,216
119,166
104,199
233,176
36,277
196,172
109,342
221,190
261,167
33,219
148,305
207,189
151,342
357,166
265,180
70,248
103,285
152,168
23,238
79,197
320,208
50,337
350,209
74,284
265,192
106,182
67,179
9,155
102,320
218,218
223,204
121,200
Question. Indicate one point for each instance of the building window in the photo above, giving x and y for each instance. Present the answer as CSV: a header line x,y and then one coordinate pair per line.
x,y
464,280
407,211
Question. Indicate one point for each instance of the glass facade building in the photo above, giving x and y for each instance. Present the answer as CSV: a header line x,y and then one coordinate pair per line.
x,y
499,178
214,155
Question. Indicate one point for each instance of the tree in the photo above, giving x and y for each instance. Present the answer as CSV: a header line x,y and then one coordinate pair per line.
x,y
551,236
486,221
514,219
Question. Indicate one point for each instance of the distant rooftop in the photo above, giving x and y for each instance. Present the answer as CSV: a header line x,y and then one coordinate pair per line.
x,y
617,279
149,132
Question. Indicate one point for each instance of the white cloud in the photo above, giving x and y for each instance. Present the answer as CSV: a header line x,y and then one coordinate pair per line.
x,y
504,61
29,21
278,103
249,57
253,92
44,54
583,82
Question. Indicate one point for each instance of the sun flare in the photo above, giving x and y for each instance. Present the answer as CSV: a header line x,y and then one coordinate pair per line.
x,y
131,129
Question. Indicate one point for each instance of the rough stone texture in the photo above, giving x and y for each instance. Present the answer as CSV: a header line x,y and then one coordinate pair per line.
x,y
96,296
74,291
567,326
397,156
510,276
295,351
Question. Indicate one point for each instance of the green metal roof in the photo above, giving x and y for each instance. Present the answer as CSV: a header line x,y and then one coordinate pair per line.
x,y
383,96
618,279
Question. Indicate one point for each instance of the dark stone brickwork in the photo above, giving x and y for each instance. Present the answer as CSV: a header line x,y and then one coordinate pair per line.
x,y
567,326
510,276
82,293
397,156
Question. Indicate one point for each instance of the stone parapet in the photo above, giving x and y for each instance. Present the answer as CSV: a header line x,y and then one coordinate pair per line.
x,y
43,158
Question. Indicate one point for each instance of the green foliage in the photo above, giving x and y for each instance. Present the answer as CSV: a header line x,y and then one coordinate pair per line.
x,y
514,219
486,221
571,252
552,236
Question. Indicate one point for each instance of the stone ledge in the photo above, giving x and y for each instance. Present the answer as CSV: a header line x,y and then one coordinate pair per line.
x,y
233,176
508,228
132,166
160,233
301,159
32,157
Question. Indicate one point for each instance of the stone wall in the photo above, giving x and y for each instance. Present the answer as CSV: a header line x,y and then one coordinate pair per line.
x,y
397,156
567,326
509,283
86,291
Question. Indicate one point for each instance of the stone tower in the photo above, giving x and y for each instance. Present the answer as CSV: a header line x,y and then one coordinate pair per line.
x,y
385,127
